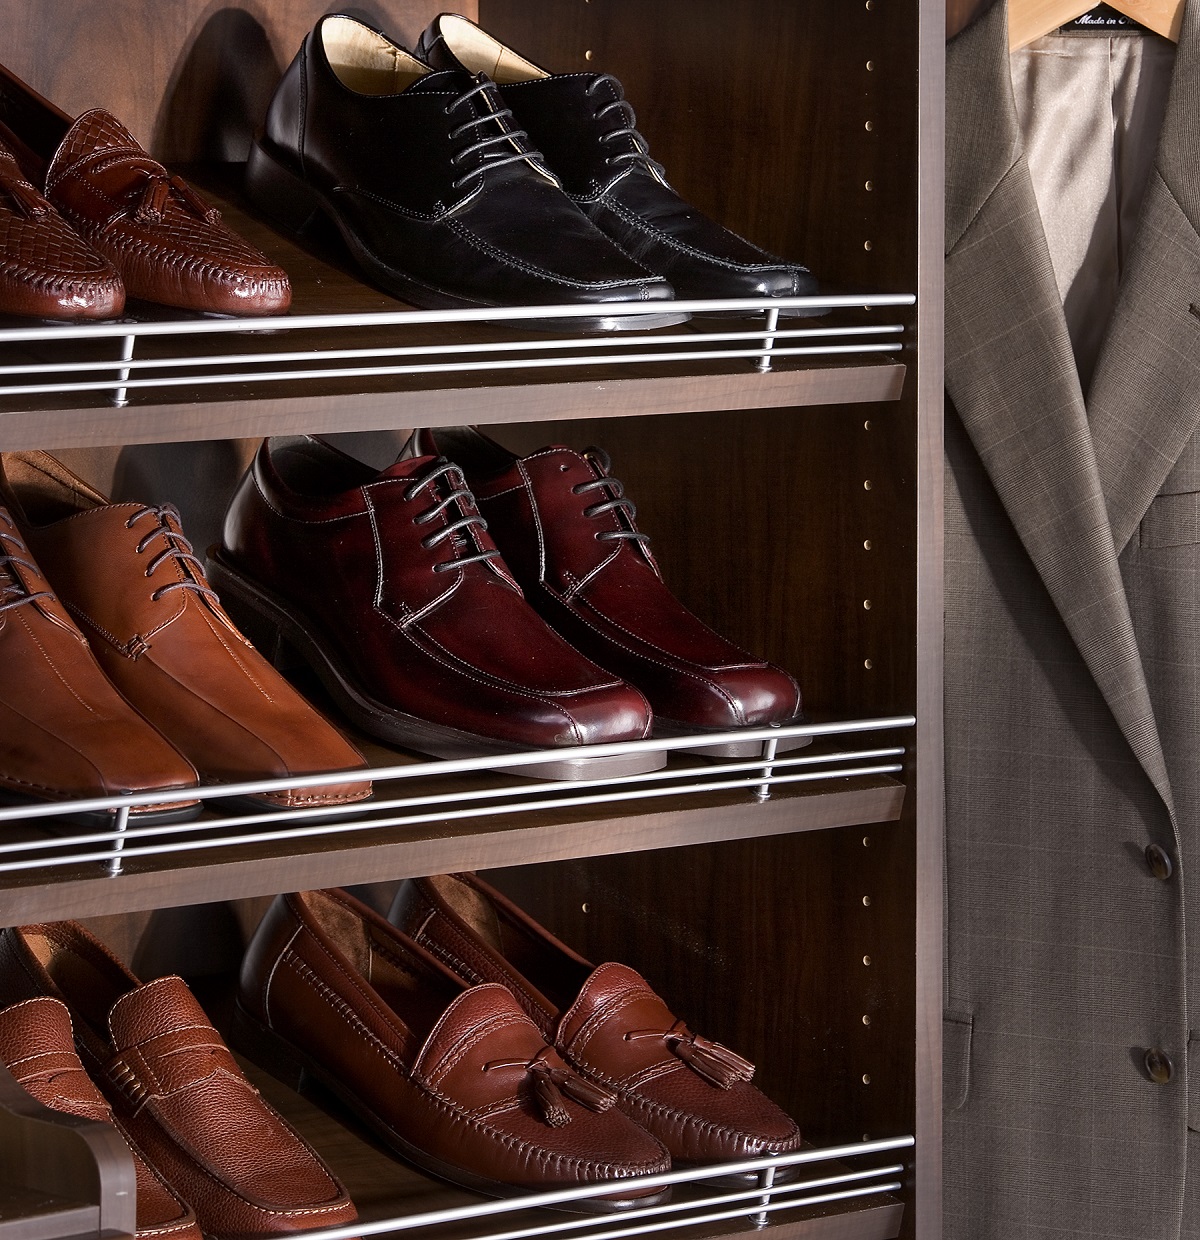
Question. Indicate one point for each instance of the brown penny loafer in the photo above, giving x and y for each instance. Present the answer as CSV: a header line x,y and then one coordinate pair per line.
x,y
38,1048
567,531
389,586
65,732
167,243
128,576
694,1095
453,1077
46,270
175,1090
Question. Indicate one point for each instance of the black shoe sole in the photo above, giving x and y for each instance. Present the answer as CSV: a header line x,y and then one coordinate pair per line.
x,y
727,749
293,206
275,629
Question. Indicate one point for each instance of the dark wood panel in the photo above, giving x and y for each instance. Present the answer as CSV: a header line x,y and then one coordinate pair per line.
x,y
192,78
475,844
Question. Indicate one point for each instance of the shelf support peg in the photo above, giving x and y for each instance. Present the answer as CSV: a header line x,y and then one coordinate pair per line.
x,y
766,1178
120,825
764,361
763,791
120,396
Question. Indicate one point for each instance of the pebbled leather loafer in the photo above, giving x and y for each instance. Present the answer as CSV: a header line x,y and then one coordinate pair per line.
x,y
454,1078
65,732
46,270
438,195
389,587
694,1095
567,530
128,576
37,1046
175,1090
586,130
167,243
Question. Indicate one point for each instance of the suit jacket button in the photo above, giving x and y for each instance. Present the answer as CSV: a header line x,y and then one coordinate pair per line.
x,y
1158,862
1159,1067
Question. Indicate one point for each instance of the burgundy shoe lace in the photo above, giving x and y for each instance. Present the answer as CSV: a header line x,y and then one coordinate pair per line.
x,y
617,500
509,135
460,495
548,1084
159,186
24,197
625,112
176,549
717,1064
13,593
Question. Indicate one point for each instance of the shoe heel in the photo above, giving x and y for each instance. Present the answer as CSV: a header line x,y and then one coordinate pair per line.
x,y
264,1047
252,621
287,200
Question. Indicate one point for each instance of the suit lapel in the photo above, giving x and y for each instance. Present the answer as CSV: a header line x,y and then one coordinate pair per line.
x,y
1011,375
1145,399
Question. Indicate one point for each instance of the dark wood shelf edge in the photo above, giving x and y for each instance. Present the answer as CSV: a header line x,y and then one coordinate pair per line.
x,y
245,415
471,848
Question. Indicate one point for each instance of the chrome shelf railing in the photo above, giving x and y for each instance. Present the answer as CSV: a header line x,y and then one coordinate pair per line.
x,y
67,844
705,1200
281,357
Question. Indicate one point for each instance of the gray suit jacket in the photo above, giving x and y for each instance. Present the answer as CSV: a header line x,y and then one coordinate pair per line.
x,y
1072,694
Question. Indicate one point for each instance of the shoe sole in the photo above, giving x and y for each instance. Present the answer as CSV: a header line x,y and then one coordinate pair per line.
x,y
274,629
293,205
289,1064
727,749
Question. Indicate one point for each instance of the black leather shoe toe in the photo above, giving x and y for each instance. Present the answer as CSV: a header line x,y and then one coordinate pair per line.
x,y
440,197
586,131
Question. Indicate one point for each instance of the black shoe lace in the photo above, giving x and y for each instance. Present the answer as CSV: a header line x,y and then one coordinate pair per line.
x,y
616,501
177,549
460,495
625,112
509,135
13,593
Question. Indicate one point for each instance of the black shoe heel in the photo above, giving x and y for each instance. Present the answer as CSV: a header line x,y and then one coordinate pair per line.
x,y
287,200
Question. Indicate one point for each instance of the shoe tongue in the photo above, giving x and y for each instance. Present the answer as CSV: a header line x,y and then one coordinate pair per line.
x,y
611,986
93,132
488,1006
158,1007
445,81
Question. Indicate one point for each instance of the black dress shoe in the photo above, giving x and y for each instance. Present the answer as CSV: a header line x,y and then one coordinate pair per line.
x,y
585,128
437,193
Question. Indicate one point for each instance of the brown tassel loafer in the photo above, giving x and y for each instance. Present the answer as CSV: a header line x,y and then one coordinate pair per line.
x,y
175,1090
694,1095
455,1078
128,576
37,1046
46,269
167,243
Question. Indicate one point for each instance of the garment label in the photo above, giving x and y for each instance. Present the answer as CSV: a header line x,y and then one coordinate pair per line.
x,y
1102,20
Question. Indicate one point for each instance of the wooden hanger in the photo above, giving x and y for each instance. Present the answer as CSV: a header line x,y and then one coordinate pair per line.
x,y
1030,19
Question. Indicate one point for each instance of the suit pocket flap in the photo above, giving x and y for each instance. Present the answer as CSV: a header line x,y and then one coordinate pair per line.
x,y
1171,521
957,1025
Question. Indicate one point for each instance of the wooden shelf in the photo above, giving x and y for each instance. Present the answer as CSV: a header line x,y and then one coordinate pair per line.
x,y
481,843
325,282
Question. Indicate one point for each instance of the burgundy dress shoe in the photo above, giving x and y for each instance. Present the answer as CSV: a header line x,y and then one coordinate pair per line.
x,y
37,1046
176,1092
388,585
128,576
453,1077
585,128
694,1095
46,270
438,195
65,732
567,531
167,243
